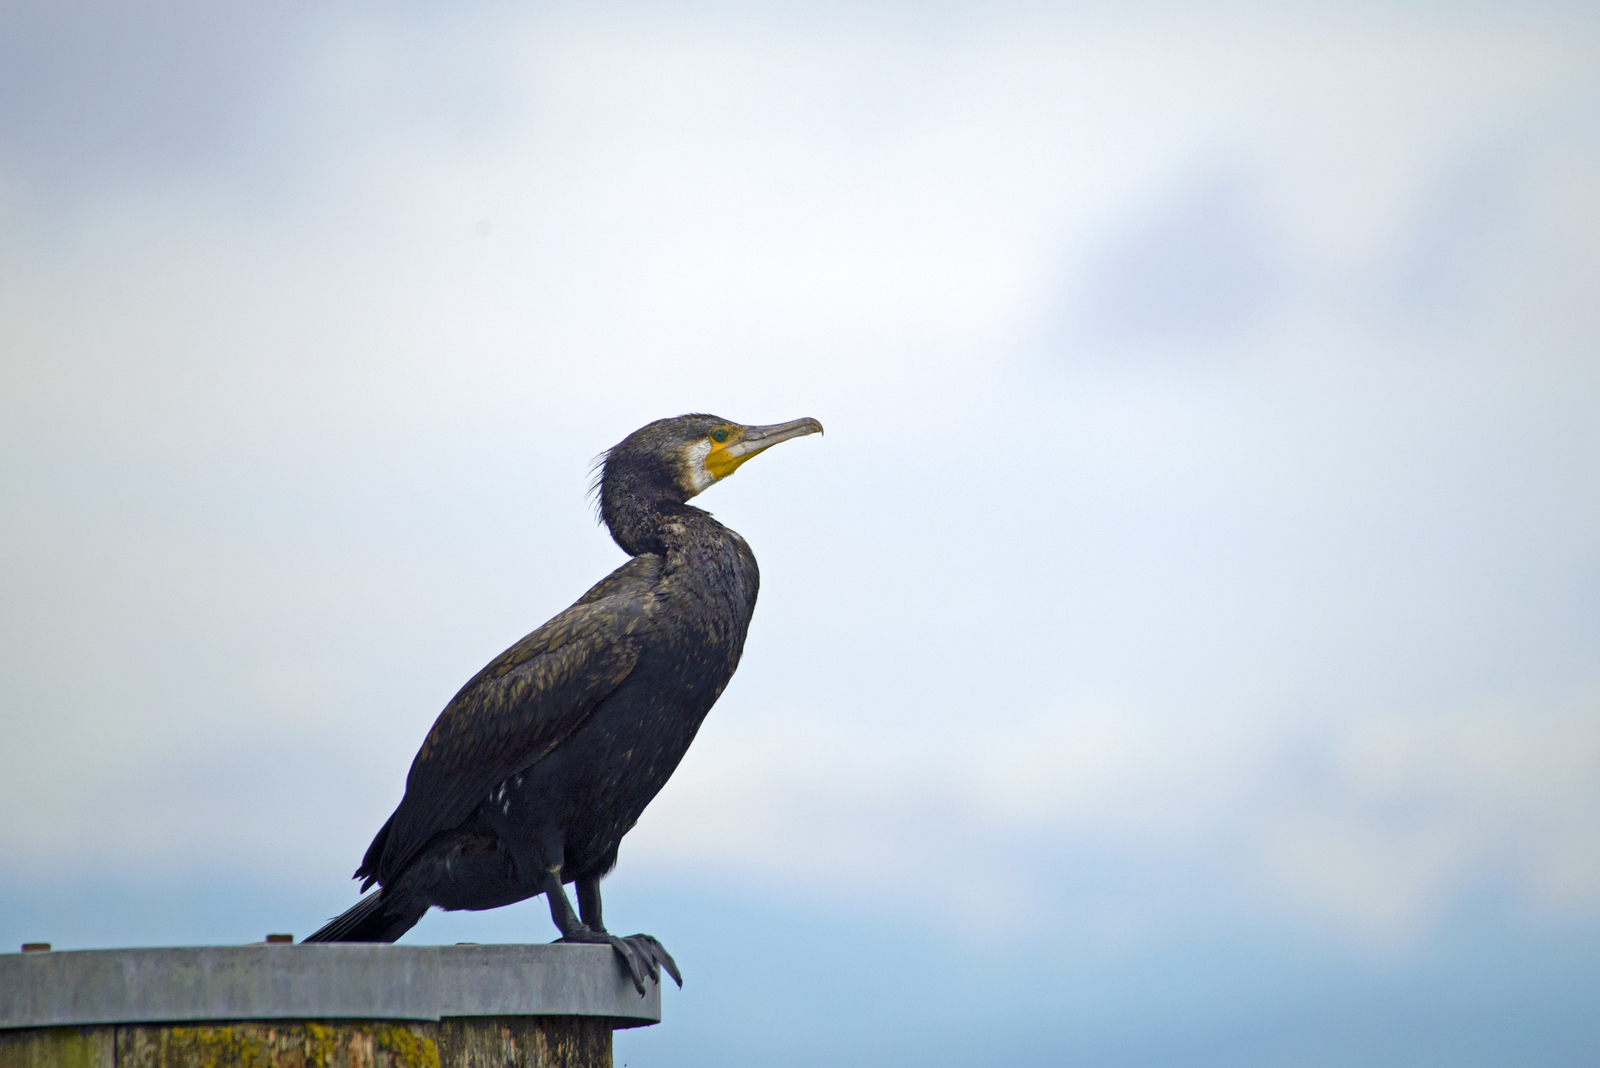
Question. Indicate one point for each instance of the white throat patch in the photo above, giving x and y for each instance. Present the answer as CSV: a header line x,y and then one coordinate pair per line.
x,y
699,478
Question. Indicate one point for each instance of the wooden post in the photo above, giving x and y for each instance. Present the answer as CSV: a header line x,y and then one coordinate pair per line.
x,y
321,1006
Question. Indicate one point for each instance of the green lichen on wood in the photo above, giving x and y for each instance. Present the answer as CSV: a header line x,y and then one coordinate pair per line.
x,y
204,1046
402,1042
58,1047
279,1044
471,1042
321,1042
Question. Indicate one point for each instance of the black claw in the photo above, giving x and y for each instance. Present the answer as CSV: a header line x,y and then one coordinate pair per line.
x,y
631,961
639,955
659,958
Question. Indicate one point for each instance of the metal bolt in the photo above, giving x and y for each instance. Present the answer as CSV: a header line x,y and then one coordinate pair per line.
x,y
36,947
280,939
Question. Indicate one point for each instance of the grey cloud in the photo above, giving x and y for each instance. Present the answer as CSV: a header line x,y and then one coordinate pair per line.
x,y
93,92
1456,229
1203,268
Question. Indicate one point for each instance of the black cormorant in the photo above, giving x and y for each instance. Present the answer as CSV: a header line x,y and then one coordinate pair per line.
x,y
535,770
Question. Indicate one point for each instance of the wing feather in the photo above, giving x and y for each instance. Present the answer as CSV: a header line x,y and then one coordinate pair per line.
x,y
514,712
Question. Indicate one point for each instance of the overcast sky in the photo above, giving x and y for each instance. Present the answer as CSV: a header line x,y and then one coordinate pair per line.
x,y
1206,530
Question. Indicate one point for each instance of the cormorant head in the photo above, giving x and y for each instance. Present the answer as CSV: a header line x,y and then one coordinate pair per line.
x,y
670,460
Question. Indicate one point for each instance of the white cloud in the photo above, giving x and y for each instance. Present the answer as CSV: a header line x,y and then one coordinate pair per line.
x,y
1410,810
1384,824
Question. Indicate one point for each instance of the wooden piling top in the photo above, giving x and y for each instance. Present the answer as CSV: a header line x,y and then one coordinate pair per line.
x,y
319,982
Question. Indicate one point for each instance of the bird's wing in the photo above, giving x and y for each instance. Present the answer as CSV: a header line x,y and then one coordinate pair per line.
x,y
516,710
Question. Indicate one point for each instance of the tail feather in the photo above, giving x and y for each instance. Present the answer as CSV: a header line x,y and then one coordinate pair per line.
x,y
378,917
370,863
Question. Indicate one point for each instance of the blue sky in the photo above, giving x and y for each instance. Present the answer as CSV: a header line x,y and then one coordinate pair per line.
x,y
1183,648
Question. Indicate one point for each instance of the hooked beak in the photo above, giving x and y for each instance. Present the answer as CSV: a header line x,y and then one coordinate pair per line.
x,y
757,438
724,460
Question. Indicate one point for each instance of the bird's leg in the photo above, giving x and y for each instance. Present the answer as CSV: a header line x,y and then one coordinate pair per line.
x,y
561,913
641,954
589,904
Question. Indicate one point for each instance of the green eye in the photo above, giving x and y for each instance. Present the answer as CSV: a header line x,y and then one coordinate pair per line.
x,y
719,435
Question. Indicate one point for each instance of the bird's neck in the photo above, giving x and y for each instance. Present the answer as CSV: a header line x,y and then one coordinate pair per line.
x,y
655,526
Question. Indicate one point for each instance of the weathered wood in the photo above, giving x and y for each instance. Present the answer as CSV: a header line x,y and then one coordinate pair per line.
x,y
524,1042
275,1044
318,1006
59,1047
453,1042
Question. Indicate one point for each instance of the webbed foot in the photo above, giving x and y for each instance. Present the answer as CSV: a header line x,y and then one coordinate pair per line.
x,y
640,954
